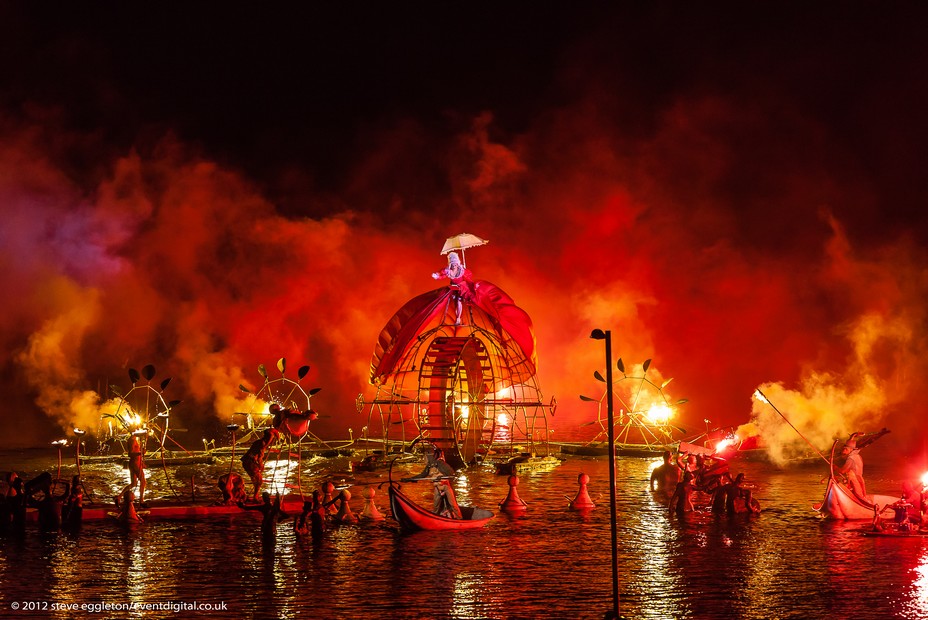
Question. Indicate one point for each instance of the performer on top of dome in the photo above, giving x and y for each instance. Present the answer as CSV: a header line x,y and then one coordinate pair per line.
x,y
461,283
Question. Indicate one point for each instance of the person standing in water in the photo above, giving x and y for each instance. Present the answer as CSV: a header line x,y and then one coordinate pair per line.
x,y
664,477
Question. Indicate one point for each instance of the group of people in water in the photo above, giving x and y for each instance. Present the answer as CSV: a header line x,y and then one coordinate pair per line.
x,y
58,504
680,479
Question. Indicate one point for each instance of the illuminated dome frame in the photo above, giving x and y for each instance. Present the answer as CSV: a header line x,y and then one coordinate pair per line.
x,y
469,389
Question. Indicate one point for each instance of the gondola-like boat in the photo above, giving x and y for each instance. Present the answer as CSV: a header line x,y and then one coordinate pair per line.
x,y
842,503
412,517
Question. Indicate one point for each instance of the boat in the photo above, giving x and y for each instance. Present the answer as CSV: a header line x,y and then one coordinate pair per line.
x,y
841,502
413,517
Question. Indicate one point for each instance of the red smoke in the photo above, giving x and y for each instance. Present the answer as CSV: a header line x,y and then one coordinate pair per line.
x,y
730,273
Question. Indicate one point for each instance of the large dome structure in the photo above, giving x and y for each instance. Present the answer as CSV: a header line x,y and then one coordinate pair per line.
x,y
456,367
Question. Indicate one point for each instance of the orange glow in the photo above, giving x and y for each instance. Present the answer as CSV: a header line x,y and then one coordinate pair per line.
x,y
659,413
159,249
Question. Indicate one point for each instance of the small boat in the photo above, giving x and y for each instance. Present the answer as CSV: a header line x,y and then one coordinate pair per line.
x,y
842,503
412,517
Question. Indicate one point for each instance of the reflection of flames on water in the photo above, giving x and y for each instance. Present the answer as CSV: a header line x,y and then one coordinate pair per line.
x,y
278,473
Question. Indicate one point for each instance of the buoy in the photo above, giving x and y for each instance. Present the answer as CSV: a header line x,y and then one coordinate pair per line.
x,y
344,514
369,511
327,490
582,501
513,503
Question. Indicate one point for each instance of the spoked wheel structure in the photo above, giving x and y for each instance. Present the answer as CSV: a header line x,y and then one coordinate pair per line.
x,y
142,407
454,377
144,413
643,412
282,403
289,396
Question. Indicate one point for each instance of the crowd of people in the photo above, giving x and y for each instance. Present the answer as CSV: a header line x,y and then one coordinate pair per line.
x,y
58,504
682,479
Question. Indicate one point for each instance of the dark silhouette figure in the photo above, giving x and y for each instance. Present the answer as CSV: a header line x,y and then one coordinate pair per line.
x,y
253,460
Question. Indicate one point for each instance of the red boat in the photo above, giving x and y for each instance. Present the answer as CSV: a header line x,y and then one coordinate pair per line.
x,y
412,517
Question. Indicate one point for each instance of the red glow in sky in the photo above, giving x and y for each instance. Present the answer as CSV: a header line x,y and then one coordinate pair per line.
x,y
742,205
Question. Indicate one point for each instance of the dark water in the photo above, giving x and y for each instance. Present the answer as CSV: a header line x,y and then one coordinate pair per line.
x,y
551,563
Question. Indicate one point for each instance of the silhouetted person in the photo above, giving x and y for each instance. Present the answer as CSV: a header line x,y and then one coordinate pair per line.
x,y
253,460
125,507
39,494
73,512
136,468
664,477
232,488
273,514
681,501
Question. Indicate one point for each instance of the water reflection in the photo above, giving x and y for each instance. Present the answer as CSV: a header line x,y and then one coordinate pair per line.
x,y
551,562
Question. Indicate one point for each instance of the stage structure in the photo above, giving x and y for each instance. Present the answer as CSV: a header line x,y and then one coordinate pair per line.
x,y
455,367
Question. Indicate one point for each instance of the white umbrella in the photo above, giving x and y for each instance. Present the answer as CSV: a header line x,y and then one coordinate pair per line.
x,y
462,242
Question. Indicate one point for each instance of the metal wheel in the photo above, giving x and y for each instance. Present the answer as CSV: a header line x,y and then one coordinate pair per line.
x,y
642,413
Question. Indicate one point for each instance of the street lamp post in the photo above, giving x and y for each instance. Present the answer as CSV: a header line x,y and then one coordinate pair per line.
x,y
599,334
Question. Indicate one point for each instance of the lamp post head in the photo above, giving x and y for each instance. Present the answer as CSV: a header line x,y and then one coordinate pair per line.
x,y
598,334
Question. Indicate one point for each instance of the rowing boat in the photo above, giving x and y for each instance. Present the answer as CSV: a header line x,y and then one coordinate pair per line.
x,y
412,517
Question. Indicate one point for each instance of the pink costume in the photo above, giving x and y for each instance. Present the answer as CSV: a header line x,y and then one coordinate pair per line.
x,y
462,285
459,275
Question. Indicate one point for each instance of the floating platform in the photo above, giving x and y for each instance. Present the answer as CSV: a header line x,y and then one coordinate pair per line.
x,y
621,449
151,458
163,510
524,463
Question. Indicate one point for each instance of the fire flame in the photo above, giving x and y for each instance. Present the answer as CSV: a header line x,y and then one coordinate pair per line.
x,y
659,413
725,443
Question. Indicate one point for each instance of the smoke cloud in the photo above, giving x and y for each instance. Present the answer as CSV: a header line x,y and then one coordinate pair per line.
x,y
724,227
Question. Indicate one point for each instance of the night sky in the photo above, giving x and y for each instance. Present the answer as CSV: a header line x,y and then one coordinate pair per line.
x,y
736,190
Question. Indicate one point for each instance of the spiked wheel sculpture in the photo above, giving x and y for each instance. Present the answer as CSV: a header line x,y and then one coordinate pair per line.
x,y
643,422
143,407
290,396
144,413
284,404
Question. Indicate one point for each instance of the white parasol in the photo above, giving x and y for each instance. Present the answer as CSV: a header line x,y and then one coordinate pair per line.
x,y
462,242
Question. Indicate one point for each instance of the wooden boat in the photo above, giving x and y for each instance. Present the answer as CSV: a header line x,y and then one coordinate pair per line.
x,y
412,517
841,502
